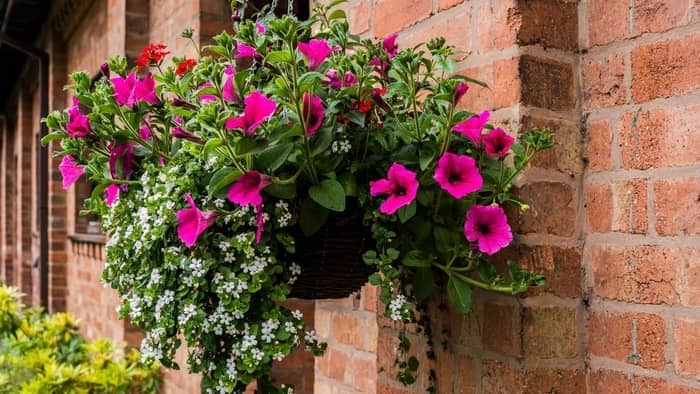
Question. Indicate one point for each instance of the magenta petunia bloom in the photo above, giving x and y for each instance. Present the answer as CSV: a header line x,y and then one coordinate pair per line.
x,y
401,185
258,109
390,45
260,28
111,194
191,222
78,125
460,91
313,112
349,79
145,129
70,170
121,157
458,174
497,143
206,98
315,51
487,225
246,189
228,90
179,132
333,79
244,51
379,65
471,128
130,91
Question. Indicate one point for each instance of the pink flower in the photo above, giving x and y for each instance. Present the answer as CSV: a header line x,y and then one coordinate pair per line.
x,y
78,124
246,189
458,174
315,51
461,89
379,65
111,194
206,97
349,79
488,226
258,109
497,143
313,112
244,51
401,185
228,90
390,46
471,128
70,170
191,222
260,27
179,132
130,91
145,129
333,79
121,157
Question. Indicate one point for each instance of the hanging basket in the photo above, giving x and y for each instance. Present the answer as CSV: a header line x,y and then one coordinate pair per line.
x,y
331,259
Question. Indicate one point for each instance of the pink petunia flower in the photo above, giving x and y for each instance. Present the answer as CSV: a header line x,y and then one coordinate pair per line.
x,y
70,170
130,91
333,79
192,222
349,79
121,157
487,225
313,112
497,143
206,97
458,174
260,27
228,90
258,109
471,128
380,65
78,125
244,51
111,194
460,91
390,45
315,51
145,129
401,185
246,190
179,132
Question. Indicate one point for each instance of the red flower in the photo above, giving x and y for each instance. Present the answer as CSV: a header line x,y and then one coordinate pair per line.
x,y
153,53
185,66
380,91
364,106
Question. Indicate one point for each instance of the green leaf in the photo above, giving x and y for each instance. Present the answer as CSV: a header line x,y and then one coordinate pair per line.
x,y
329,194
278,57
426,157
210,145
461,294
273,157
337,14
221,179
423,283
312,217
349,183
407,212
50,137
247,146
416,258
321,141
284,192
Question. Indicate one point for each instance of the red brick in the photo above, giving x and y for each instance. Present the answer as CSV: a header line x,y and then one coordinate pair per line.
x,y
603,81
677,206
498,378
659,138
445,4
690,282
608,21
547,83
565,156
466,376
687,357
502,328
456,29
395,15
364,373
550,332
652,16
609,382
551,24
570,381
666,68
599,145
504,89
617,207
497,23
635,338
649,385
643,274
552,209
369,298
347,328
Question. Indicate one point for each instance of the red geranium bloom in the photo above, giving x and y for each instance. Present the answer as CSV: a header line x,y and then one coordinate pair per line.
x,y
153,53
185,66
364,106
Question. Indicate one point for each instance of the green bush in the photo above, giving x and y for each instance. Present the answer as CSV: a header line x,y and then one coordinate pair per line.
x,y
44,353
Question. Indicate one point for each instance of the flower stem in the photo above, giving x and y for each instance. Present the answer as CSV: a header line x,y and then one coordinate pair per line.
x,y
474,282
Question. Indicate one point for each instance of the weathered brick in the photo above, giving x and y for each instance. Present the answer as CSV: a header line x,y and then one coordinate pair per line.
x,y
498,377
649,385
393,21
566,154
643,274
677,206
347,328
445,4
652,16
617,206
605,381
690,280
599,145
570,381
666,68
603,81
552,209
687,357
550,332
498,24
467,375
364,373
456,29
501,329
547,83
504,89
608,21
552,24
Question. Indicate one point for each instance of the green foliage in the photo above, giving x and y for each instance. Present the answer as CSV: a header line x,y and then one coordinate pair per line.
x,y
42,353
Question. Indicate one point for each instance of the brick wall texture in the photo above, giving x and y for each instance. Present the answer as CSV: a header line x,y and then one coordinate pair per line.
x,y
614,222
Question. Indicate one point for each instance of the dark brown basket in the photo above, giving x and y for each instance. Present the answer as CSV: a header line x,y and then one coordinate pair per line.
x,y
331,259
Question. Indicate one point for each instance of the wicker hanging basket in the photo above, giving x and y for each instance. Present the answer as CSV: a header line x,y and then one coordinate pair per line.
x,y
331,259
